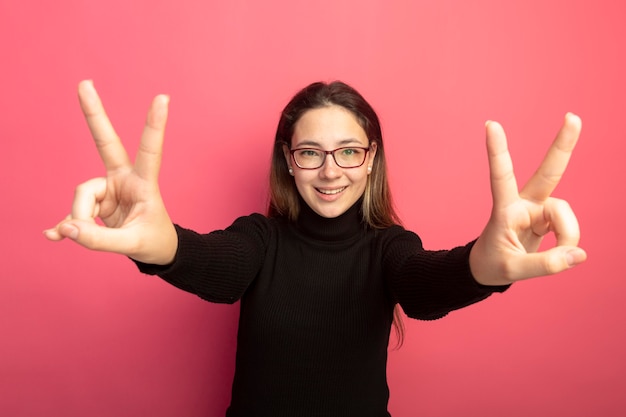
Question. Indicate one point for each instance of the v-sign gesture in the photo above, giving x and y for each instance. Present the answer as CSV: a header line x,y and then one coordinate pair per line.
x,y
506,251
127,200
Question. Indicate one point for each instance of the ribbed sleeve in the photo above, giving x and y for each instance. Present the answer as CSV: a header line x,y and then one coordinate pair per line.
x,y
218,266
430,284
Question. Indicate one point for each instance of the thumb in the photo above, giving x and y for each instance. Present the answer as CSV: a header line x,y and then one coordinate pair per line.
x,y
575,256
547,262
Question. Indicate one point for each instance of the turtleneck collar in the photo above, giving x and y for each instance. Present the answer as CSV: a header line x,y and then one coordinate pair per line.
x,y
338,228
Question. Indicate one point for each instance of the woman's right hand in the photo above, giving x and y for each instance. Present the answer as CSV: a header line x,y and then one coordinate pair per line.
x,y
127,200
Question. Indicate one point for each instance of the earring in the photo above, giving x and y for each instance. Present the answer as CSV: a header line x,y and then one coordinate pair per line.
x,y
290,171
369,170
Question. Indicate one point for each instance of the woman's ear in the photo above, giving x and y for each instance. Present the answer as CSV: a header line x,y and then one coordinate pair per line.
x,y
287,158
287,154
371,156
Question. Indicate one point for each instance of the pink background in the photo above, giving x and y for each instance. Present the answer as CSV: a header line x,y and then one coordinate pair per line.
x,y
84,334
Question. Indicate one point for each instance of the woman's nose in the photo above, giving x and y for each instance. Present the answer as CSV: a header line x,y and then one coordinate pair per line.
x,y
330,169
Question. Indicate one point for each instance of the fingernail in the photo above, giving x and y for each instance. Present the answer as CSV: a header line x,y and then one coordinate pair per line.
x,y
70,231
575,257
572,118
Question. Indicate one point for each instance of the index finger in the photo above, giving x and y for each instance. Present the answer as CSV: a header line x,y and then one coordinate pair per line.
x,y
109,146
504,189
547,177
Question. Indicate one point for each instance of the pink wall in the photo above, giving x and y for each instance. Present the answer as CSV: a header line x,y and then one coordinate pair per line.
x,y
84,334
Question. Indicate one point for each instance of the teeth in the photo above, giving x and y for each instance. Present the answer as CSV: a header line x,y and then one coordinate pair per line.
x,y
331,192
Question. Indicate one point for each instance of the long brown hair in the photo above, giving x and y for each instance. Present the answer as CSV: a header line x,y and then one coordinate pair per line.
x,y
377,207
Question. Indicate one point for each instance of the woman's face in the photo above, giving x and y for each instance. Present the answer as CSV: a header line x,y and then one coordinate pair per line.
x,y
330,190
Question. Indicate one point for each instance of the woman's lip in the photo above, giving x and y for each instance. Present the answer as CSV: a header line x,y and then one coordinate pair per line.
x,y
330,191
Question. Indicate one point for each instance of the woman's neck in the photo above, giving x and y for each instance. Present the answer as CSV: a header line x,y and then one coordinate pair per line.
x,y
337,228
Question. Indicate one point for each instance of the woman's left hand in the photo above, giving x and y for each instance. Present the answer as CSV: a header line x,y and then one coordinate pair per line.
x,y
507,249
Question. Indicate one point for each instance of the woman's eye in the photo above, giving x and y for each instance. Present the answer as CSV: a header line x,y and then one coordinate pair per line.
x,y
351,152
309,153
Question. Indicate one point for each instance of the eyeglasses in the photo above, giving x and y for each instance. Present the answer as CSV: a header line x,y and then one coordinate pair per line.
x,y
313,158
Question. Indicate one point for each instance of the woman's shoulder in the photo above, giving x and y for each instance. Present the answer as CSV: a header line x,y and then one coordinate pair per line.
x,y
395,230
256,222
395,235
252,219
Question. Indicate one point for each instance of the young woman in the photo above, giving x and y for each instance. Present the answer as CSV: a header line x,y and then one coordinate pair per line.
x,y
320,275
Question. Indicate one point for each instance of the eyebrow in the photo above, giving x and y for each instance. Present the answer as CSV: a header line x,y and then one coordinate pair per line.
x,y
341,143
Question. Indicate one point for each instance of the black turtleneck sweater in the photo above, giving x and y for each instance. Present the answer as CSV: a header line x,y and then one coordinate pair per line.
x,y
317,299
